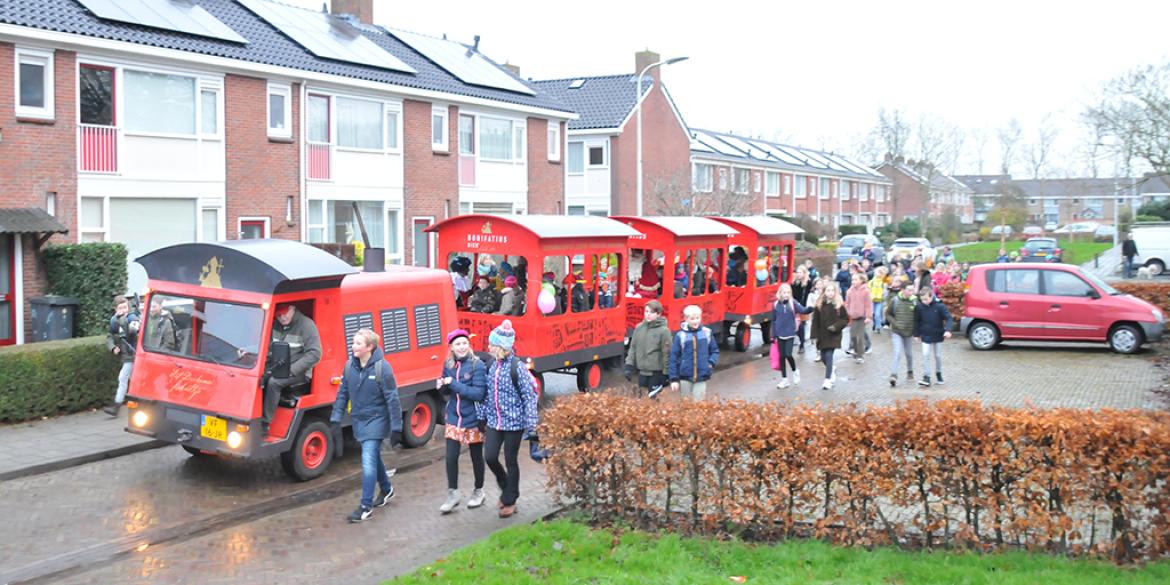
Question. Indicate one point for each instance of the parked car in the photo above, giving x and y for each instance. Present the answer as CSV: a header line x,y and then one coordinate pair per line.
x,y
1050,226
1084,227
1041,250
911,245
1153,245
1002,231
1054,302
852,245
1033,231
1105,233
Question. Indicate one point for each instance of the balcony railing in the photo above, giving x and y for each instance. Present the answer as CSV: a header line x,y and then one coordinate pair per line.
x,y
98,148
320,161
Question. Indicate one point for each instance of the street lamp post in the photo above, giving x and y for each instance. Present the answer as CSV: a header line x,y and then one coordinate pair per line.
x,y
638,112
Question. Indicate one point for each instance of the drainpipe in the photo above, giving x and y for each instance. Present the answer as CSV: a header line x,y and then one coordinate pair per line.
x,y
302,162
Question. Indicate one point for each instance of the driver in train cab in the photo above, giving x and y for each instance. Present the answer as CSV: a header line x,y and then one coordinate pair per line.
x,y
304,351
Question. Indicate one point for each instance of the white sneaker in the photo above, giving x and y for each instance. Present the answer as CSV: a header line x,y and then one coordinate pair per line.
x,y
833,378
796,377
452,501
861,360
828,385
783,383
477,498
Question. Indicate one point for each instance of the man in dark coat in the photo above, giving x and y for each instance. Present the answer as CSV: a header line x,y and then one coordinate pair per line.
x,y
368,386
1129,251
304,351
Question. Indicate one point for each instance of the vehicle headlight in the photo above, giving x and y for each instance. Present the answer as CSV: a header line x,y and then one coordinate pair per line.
x,y
234,440
140,419
1157,315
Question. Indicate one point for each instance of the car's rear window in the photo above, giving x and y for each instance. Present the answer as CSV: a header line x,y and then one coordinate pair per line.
x,y
853,241
1034,244
1014,281
907,243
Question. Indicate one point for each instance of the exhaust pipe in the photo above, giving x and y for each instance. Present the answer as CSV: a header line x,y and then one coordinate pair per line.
x,y
373,259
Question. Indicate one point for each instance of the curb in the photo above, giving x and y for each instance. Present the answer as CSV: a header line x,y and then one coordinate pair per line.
x,y
81,460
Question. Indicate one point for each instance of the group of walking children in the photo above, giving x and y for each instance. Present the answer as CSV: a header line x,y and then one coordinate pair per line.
x,y
684,360
869,305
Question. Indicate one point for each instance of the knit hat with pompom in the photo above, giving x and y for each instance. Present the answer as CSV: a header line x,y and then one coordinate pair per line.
x,y
503,337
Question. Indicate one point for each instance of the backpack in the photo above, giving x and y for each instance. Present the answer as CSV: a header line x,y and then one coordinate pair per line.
x,y
515,371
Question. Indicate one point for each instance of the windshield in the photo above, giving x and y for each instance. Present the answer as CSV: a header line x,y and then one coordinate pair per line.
x,y
1101,284
224,333
1033,244
852,241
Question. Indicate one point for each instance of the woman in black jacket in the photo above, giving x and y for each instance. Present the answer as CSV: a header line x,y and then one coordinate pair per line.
x,y
932,324
828,321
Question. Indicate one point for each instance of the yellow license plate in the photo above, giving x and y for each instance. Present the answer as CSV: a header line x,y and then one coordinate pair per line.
x,y
213,428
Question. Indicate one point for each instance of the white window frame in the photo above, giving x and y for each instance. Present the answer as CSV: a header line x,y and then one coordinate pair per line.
x,y
554,140
444,144
200,87
250,219
104,230
823,187
698,184
843,190
219,221
568,155
387,109
786,181
722,178
770,189
799,181
736,187
604,146
515,127
863,191
757,180
44,58
284,90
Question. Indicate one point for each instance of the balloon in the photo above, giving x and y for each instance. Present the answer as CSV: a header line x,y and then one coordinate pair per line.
x,y
546,302
761,264
548,288
761,275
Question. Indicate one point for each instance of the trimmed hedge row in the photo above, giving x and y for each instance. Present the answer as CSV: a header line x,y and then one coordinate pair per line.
x,y
940,474
1157,293
93,274
42,379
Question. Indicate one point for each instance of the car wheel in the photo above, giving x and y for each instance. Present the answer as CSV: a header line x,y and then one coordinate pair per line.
x,y
311,452
1125,339
1156,267
983,336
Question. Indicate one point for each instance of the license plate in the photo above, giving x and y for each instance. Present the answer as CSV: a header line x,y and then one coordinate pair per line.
x,y
213,427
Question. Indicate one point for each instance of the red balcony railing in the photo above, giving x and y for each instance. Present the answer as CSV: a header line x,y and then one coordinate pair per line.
x,y
320,161
99,149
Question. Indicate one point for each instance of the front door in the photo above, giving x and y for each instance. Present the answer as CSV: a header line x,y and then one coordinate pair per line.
x,y
422,241
1016,303
7,290
1071,309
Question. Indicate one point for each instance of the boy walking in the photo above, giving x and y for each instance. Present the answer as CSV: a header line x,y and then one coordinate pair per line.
x,y
859,305
900,315
122,341
649,350
693,356
932,324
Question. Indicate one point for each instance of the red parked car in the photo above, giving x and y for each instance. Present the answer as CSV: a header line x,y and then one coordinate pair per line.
x,y
1054,302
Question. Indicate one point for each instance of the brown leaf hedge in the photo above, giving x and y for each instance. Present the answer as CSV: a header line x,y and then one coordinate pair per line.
x,y
949,474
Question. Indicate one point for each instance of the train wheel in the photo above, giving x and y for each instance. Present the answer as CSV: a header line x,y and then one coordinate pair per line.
x,y
311,452
766,332
420,421
588,376
743,336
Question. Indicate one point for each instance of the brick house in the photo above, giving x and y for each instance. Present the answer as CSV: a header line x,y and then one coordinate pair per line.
x,y
920,191
779,179
1056,202
601,155
233,123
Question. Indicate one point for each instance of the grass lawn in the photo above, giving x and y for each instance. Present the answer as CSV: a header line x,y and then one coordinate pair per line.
x,y
1074,252
567,552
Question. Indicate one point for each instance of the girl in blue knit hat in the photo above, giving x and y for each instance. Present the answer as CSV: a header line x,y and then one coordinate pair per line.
x,y
510,410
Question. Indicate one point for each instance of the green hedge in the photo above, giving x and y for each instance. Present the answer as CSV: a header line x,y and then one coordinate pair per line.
x,y
850,229
42,379
92,274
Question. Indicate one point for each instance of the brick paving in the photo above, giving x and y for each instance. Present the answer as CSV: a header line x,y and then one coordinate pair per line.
x,y
54,442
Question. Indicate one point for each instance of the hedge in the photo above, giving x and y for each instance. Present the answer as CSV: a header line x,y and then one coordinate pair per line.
x,y
1156,293
93,274
951,474
42,379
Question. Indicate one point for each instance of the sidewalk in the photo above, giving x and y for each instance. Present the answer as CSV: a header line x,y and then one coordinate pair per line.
x,y
41,446
1106,267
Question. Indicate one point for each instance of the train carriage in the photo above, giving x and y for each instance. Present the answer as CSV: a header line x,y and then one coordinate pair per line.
x,y
570,310
690,251
762,253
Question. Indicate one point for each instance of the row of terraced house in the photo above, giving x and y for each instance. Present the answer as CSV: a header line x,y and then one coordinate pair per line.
x,y
154,122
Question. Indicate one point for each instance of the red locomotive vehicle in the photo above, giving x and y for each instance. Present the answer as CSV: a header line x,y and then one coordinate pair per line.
x,y
679,262
760,257
560,279
202,388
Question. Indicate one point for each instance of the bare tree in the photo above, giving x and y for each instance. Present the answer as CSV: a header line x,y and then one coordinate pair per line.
x,y
1039,151
674,194
893,132
1134,111
1009,140
1092,145
978,144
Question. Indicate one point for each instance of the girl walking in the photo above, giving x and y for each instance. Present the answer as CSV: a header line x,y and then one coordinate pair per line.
x,y
932,324
829,320
465,378
859,305
877,292
785,314
510,410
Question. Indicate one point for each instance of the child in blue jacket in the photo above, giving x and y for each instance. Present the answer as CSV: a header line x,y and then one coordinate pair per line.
x,y
693,355
465,377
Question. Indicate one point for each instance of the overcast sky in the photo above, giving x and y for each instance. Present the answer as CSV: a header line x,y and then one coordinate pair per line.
x,y
815,73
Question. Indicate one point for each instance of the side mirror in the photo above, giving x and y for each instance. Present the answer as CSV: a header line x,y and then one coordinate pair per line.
x,y
278,359
1093,294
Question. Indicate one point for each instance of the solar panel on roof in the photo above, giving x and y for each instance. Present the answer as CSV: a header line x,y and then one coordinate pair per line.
x,y
576,84
325,35
462,62
720,146
174,15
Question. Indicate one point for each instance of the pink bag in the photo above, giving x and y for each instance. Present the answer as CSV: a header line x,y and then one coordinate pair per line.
x,y
774,355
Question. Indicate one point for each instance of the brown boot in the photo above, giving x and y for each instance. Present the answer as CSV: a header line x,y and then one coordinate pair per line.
x,y
508,511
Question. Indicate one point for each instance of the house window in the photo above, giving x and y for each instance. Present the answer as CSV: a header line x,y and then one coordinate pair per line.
x,y
159,102
359,124
209,110
576,210
756,182
518,148
772,184
495,139
576,154
845,187
96,95
210,224
742,176
863,191
279,110
722,178
787,184
825,188
391,129
800,184
319,119
439,129
701,179
847,219
554,140
597,156
34,84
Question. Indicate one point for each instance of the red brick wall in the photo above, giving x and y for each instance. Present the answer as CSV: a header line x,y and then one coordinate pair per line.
x,y
262,173
909,197
666,154
37,158
546,179
431,178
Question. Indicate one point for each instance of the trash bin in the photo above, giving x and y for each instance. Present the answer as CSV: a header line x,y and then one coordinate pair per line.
x,y
52,317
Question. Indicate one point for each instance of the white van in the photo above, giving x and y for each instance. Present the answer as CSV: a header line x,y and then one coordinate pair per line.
x,y
1153,245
